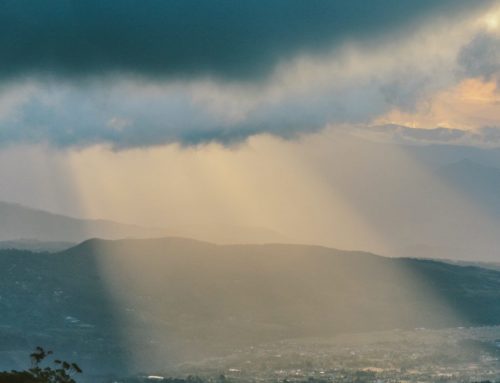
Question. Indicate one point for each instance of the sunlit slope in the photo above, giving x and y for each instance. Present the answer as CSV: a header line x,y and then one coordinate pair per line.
x,y
289,289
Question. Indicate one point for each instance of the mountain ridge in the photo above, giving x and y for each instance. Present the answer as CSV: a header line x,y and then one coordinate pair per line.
x,y
25,223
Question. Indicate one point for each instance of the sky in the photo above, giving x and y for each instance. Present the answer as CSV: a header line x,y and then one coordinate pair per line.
x,y
327,121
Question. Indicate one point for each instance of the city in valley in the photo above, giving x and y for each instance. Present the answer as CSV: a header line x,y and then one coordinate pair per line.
x,y
419,355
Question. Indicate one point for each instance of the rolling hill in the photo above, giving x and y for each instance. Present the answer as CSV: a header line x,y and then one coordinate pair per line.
x,y
139,303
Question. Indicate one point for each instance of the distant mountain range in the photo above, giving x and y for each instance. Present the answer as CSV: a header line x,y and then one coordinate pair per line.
x,y
20,222
417,220
27,228
145,303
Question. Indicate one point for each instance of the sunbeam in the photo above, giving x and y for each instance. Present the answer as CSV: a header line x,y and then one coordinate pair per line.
x,y
234,192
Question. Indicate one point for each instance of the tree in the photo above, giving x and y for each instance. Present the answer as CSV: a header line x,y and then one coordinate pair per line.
x,y
62,372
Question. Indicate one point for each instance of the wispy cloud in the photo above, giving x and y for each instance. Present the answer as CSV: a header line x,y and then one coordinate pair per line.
x,y
484,137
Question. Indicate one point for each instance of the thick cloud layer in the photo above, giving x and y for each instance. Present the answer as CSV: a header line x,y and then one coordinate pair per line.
x,y
126,115
138,74
185,38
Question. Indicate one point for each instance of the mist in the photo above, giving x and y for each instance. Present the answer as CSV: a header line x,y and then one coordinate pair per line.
x,y
333,189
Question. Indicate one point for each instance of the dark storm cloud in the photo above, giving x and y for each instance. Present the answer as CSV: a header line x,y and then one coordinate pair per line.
x,y
184,38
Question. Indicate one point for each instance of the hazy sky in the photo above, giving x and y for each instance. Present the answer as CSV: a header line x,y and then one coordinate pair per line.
x,y
323,120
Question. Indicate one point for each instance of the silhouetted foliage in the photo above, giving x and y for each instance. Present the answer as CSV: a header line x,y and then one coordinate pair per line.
x,y
62,372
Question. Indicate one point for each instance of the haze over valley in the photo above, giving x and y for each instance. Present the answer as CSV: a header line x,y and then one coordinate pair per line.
x,y
288,191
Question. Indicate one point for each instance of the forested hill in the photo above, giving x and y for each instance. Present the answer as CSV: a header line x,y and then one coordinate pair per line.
x,y
178,297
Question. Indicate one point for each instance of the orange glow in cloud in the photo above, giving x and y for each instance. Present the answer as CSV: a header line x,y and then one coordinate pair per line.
x,y
471,104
